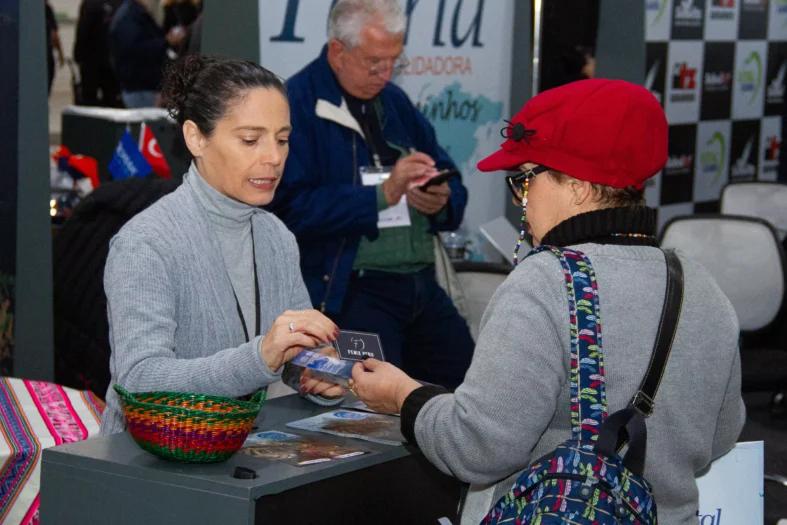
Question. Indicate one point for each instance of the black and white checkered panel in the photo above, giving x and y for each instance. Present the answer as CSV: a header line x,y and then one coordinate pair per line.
x,y
729,247
718,68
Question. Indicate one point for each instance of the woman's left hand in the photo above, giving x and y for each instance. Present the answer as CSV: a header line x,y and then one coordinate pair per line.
x,y
382,386
319,387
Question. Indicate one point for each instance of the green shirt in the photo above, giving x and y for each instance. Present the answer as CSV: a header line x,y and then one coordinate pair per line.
x,y
399,250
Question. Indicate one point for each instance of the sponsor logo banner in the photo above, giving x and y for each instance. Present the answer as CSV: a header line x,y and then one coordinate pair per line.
x,y
717,80
744,150
713,153
685,61
749,84
677,181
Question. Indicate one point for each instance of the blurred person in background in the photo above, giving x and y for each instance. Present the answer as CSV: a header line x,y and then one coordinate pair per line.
x,y
138,50
52,45
180,14
588,70
569,63
91,53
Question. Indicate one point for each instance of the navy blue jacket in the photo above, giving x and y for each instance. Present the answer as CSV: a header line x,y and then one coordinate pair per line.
x,y
137,48
321,198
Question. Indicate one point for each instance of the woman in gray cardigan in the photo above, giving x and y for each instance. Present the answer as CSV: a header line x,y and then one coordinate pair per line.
x,y
204,289
583,153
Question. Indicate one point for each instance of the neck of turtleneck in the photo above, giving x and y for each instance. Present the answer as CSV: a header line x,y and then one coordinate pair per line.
x,y
231,223
223,211
600,227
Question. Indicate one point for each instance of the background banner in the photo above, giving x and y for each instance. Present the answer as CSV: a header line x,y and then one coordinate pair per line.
x,y
718,67
459,75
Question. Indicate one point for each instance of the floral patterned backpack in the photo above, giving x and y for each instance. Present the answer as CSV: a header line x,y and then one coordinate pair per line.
x,y
584,480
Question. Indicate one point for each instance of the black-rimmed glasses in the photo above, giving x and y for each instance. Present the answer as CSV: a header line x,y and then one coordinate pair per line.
x,y
516,182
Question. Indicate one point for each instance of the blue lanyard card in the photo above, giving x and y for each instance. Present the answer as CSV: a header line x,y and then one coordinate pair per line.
x,y
325,367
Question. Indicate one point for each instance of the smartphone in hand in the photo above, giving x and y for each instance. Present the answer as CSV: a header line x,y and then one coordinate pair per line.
x,y
441,177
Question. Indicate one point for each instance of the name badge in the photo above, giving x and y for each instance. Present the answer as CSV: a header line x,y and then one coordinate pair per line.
x,y
394,216
357,346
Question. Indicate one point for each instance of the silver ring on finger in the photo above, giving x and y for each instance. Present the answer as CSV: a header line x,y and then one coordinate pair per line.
x,y
292,326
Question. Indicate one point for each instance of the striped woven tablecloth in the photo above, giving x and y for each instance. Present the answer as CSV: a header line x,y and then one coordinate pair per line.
x,y
35,415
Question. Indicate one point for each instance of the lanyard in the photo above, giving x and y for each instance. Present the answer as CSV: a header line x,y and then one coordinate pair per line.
x,y
256,296
370,139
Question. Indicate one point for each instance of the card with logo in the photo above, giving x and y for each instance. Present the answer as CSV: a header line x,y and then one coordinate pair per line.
x,y
357,346
394,216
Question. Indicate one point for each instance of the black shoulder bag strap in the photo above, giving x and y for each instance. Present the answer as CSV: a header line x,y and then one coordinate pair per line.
x,y
673,303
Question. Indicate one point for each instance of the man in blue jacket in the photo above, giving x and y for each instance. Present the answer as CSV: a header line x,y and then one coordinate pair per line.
x,y
350,192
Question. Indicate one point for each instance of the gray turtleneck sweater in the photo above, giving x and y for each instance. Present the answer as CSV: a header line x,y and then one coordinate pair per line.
x,y
231,222
169,281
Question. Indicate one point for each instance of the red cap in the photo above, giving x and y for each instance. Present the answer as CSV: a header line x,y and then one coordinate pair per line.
x,y
607,132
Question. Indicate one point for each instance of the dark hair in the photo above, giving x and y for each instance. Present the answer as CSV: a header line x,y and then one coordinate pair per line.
x,y
608,196
201,88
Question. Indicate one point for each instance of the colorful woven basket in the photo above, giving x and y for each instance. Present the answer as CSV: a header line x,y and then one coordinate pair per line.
x,y
189,428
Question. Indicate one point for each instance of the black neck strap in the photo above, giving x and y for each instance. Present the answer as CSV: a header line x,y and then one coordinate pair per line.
x,y
673,303
256,297
367,131
642,404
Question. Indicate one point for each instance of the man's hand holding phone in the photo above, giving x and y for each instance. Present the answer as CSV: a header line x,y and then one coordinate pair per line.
x,y
414,169
431,201
439,178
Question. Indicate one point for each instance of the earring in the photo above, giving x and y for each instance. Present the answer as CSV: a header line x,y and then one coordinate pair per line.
x,y
523,222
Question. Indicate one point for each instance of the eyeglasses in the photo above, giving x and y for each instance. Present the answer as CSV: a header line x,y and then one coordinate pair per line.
x,y
397,66
516,183
375,66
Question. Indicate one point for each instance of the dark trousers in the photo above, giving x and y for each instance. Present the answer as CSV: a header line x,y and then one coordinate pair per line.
x,y
99,87
418,324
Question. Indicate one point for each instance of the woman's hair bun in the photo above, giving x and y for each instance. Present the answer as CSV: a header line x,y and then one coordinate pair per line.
x,y
200,88
179,79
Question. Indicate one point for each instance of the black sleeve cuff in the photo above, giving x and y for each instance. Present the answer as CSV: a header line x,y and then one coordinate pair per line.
x,y
413,405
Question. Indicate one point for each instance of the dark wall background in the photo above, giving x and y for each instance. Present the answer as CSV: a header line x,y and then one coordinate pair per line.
x,y
9,119
566,25
232,29
25,229
34,357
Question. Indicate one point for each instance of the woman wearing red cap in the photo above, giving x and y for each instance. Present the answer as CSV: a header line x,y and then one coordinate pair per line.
x,y
582,153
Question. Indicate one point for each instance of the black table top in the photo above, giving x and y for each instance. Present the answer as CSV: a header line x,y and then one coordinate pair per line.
x,y
119,454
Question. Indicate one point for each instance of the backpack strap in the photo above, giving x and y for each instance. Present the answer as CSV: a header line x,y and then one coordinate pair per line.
x,y
588,394
643,400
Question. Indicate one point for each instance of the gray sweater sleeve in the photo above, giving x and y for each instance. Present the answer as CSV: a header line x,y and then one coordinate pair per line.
x,y
141,308
291,375
732,415
516,376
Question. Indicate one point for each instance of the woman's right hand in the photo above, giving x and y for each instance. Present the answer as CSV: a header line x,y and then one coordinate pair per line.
x,y
310,328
